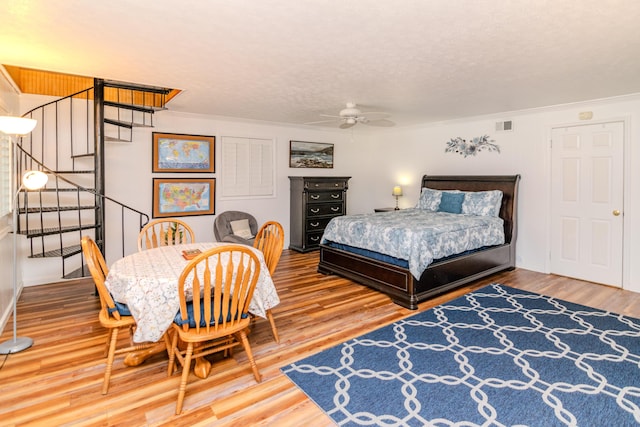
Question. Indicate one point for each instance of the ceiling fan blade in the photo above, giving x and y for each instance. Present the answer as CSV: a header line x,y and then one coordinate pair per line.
x,y
385,123
376,115
346,125
320,122
330,115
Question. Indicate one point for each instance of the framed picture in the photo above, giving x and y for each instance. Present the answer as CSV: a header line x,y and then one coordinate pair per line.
x,y
310,154
183,197
174,152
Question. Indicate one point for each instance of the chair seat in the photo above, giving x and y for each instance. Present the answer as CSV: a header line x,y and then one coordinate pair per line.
x,y
191,316
121,308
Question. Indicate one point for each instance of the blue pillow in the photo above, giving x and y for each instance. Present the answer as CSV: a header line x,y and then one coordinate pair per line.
x,y
451,202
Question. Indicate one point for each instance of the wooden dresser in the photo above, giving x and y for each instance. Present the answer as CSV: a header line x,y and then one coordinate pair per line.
x,y
314,201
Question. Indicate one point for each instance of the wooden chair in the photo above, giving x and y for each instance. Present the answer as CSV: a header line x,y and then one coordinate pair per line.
x,y
217,316
164,232
270,240
113,316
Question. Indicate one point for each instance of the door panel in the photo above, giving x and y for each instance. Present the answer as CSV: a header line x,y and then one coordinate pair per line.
x,y
586,190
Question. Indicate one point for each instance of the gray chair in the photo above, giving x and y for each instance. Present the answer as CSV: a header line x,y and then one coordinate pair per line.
x,y
223,231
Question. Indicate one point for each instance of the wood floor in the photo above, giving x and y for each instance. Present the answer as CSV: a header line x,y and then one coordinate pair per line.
x,y
58,380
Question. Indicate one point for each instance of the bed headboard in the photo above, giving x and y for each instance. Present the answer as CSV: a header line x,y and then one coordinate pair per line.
x,y
508,184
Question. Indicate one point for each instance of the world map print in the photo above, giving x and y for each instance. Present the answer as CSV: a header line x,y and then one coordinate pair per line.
x,y
183,197
183,154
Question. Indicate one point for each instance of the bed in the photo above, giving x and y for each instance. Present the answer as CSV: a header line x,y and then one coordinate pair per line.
x,y
441,275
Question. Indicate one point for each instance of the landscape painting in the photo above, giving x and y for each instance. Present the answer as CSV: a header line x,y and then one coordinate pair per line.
x,y
310,155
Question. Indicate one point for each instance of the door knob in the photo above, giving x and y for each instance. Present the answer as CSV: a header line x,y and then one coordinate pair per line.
x,y
616,212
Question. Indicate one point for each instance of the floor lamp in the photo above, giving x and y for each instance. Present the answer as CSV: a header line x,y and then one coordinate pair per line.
x,y
31,180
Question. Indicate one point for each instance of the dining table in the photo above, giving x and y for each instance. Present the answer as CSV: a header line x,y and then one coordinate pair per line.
x,y
147,282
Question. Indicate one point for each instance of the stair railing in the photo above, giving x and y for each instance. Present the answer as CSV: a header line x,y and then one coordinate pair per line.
x,y
42,228
68,144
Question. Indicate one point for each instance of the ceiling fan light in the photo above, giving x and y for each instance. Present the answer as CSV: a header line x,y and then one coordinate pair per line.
x,y
350,120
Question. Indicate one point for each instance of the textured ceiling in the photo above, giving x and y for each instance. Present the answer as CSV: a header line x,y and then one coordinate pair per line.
x,y
290,61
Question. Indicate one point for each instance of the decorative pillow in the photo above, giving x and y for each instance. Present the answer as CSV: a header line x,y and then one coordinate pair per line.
x,y
241,228
451,202
482,203
429,199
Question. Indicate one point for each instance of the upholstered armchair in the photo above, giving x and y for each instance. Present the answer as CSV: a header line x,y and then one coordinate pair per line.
x,y
231,226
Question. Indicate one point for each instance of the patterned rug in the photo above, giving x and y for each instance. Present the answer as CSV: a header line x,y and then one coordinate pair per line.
x,y
495,357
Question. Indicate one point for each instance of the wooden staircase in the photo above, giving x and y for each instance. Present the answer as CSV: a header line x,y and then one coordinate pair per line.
x,y
68,144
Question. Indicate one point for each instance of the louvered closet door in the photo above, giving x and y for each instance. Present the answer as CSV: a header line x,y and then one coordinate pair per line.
x,y
587,202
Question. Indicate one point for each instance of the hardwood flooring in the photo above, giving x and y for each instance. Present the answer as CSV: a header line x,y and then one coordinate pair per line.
x,y
58,380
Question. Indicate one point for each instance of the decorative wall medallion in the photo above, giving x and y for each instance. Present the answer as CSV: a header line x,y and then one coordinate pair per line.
x,y
471,148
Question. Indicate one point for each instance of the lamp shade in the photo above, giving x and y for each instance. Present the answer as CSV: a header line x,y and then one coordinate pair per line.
x,y
34,180
16,125
397,191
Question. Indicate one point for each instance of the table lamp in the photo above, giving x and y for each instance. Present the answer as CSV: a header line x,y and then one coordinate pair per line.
x,y
397,192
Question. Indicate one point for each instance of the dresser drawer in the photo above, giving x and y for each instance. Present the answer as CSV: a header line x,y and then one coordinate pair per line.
x,y
313,239
325,209
317,224
324,196
326,184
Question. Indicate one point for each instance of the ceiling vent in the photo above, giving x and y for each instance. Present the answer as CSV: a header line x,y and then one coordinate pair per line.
x,y
507,125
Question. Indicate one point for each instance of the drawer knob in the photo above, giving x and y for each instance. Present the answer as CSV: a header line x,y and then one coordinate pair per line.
x,y
314,239
335,209
315,196
335,196
314,224
315,210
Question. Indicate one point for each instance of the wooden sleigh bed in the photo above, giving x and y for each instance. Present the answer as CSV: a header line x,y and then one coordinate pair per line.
x,y
440,276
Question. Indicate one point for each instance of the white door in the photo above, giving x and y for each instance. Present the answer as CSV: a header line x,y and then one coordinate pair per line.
x,y
586,202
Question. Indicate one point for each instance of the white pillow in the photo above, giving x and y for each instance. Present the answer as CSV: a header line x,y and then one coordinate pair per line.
x,y
241,228
482,203
429,199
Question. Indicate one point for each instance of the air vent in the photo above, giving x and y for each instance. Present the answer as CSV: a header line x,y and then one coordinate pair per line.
x,y
505,126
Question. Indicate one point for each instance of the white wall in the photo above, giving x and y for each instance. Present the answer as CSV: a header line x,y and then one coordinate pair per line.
x,y
377,159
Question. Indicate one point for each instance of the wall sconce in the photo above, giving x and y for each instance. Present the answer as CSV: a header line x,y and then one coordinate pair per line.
x,y
31,180
397,192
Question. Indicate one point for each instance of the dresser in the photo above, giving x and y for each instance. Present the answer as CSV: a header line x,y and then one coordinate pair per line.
x,y
314,201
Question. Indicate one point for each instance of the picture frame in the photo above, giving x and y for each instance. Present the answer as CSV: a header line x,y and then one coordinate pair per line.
x,y
173,197
303,154
176,152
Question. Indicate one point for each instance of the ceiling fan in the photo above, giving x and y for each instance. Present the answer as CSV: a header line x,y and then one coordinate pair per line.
x,y
352,115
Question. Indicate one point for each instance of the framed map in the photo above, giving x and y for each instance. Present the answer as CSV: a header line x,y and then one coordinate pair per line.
x,y
183,197
174,152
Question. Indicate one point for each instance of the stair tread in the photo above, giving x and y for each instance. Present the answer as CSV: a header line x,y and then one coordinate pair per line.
x,y
127,125
37,232
86,171
89,190
114,139
64,253
78,273
48,209
142,108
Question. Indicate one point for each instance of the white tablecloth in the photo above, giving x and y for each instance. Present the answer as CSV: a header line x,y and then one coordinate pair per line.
x,y
147,282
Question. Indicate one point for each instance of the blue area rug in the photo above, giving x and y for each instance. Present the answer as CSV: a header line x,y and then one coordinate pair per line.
x,y
495,357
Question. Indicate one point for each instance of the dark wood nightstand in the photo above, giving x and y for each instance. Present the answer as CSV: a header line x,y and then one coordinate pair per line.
x,y
384,209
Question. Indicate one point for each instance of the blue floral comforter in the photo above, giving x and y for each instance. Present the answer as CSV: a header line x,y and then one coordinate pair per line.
x,y
416,235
